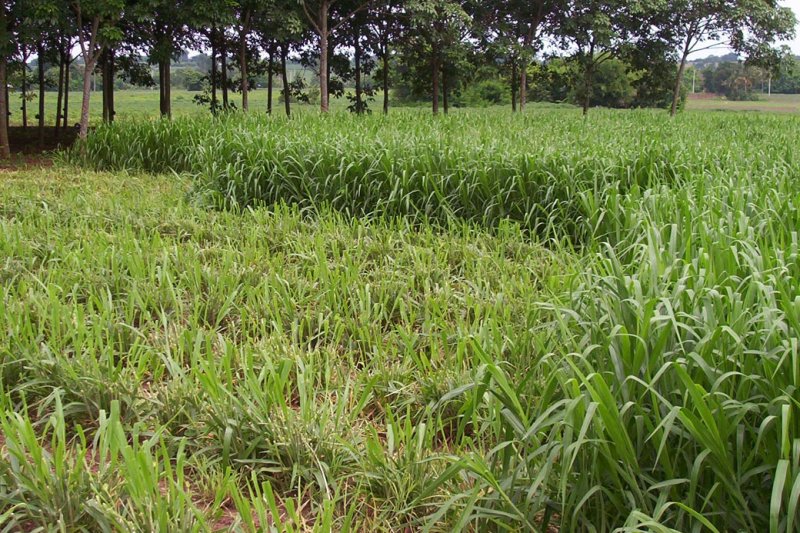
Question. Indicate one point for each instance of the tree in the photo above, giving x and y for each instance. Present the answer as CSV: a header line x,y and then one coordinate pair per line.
x,y
163,25
437,33
529,21
97,28
246,11
211,19
386,27
597,31
786,78
325,20
277,28
6,50
747,26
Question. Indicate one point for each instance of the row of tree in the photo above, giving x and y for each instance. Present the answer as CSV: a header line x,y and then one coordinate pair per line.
x,y
741,81
433,40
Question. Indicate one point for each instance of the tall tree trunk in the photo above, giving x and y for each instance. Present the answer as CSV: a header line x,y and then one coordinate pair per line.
x,y
245,86
359,89
65,114
435,80
270,77
287,101
588,79
445,99
40,53
214,76
88,69
164,86
223,55
160,88
112,73
24,92
168,86
676,91
323,57
514,69
587,88
386,74
60,98
525,63
5,148
108,86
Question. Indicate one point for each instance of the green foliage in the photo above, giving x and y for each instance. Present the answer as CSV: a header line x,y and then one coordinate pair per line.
x,y
486,93
344,364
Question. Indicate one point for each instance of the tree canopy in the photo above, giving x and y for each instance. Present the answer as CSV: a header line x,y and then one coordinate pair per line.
x,y
434,49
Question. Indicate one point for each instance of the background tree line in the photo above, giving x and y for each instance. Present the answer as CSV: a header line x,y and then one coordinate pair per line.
x,y
448,52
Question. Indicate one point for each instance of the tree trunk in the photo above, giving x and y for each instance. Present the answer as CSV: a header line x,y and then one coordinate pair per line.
x,y
445,99
587,89
87,93
40,53
676,91
168,86
24,93
270,72
165,89
386,74
588,79
435,78
60,98
359,89
5,149
285,75
323,56
514,86
214,76
161,88
108,86
523,75
245,86
223,55
65,115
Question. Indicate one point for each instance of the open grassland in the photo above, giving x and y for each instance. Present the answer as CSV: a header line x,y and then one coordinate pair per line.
x,y
138,104
143,103
775,103
478,322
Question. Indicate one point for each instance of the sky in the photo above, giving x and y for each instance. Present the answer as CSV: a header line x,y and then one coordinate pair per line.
x,y
794,44
795,5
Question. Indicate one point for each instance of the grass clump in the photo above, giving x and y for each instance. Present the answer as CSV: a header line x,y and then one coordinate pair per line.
x,y
480,166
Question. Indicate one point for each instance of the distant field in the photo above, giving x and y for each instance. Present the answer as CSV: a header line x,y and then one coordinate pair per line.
x,y
142,103
137,103
776,103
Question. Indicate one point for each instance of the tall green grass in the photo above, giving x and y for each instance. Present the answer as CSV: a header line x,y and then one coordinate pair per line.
x,y
546,170
366,369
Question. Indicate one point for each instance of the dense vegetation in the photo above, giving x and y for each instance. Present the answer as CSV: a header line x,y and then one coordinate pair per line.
x,y
484,320
448,52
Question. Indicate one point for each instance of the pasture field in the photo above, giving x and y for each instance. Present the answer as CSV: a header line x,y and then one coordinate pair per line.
x,y
139,104
481,321
143,103
775,103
